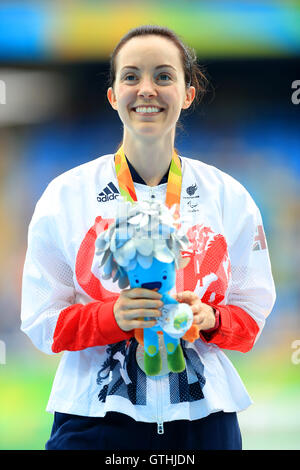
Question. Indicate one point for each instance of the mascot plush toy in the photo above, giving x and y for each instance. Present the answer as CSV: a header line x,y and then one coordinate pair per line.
x,y
142,248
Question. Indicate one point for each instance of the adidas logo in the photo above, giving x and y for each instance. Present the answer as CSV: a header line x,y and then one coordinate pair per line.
x,y
109,193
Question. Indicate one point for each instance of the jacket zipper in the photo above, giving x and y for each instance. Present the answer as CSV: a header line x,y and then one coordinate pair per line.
x,y
160,423
152,195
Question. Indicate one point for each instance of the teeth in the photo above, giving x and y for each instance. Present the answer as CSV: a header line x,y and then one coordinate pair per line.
x,y
147,110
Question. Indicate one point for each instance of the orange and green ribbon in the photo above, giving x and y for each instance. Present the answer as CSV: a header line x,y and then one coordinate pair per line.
x,y
126,185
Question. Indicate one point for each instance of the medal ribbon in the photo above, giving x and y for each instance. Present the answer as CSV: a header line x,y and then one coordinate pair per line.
x,y
127,187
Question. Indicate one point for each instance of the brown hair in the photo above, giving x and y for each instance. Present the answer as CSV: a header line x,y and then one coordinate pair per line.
x,y
192,71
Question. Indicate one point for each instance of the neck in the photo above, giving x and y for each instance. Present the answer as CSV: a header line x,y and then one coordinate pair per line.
x,y
151,159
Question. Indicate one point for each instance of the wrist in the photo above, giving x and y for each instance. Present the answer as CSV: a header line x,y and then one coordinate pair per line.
x,y
217,321
109,324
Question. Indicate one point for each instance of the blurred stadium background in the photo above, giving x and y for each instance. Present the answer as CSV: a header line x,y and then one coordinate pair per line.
x,y
54,115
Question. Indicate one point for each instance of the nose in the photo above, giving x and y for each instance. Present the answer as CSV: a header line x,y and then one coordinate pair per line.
x,y
147,88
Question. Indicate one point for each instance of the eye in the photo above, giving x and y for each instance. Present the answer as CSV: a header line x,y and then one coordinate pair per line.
x,y
137,281
164,77
130,77
164,276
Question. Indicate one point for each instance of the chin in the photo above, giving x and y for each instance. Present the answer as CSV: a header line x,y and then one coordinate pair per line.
x,y
149,132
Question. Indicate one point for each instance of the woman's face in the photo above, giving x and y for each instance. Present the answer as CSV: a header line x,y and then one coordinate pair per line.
x,y
149,90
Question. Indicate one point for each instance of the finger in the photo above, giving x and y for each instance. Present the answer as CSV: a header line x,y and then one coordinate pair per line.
x,y
198,320
134,304
135,324
196,308
140,313
187,296
203,323
141,293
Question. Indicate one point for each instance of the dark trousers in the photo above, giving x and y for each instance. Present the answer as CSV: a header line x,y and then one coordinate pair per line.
x,y
116,431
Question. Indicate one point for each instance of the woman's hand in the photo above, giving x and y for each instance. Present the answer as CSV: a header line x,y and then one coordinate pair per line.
x,y
135,304
204,316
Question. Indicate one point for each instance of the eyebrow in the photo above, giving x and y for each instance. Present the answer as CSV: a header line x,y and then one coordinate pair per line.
x,y
158,67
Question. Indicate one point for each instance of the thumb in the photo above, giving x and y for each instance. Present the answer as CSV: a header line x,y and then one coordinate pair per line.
x,y
186,296
180,296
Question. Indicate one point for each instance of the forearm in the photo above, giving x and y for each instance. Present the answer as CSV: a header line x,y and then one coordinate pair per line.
x,y
83,326
237,330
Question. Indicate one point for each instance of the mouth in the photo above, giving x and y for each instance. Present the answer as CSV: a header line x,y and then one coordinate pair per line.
x,y
151,285
147,110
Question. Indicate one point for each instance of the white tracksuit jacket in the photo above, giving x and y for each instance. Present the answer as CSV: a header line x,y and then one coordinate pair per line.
x,y
66,307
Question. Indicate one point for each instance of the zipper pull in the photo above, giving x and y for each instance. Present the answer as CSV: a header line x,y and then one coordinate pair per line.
x,y
152,195
160,428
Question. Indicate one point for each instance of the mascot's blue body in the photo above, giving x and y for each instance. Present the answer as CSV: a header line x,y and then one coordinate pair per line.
x,y
175,321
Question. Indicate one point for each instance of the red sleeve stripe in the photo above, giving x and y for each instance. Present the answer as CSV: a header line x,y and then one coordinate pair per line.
x,y
84,326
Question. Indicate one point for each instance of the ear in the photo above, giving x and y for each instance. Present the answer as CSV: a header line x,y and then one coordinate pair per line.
x,y
189,97
112,98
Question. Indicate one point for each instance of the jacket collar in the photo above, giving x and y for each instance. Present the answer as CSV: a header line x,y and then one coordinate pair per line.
x,y
136,178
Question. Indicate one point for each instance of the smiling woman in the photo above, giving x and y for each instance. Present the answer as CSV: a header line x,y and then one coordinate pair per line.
x,y
148,106
153,77
101,398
